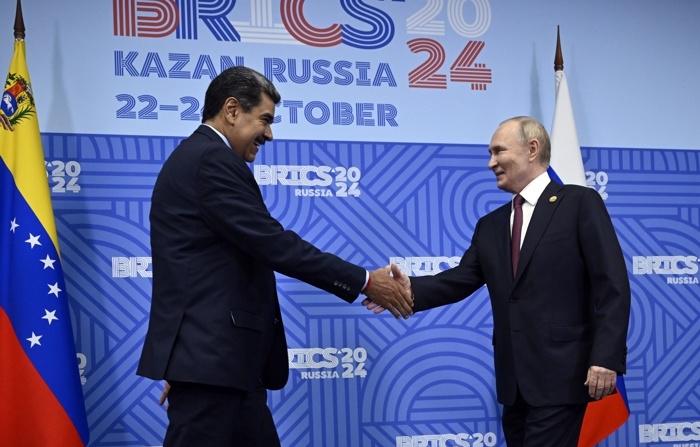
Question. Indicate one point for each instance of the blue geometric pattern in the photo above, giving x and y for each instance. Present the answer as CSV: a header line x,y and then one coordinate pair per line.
x,y
407,380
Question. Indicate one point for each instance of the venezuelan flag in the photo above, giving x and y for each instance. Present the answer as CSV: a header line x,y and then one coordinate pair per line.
x,y
41,400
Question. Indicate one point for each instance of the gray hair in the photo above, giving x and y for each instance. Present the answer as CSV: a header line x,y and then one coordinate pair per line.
x,y
531,129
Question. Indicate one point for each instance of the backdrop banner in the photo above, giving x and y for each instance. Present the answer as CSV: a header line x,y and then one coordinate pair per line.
x,y
358,379
379,156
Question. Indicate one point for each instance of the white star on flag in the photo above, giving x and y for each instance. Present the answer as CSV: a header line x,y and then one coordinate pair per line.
x,y
34,339
50,316
13,225
54,289
48,262
34,240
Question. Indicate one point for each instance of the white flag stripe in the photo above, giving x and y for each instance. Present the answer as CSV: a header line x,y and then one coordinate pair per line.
x,y
566,158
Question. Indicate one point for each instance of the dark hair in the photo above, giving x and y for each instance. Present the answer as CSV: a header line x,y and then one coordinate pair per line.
x,y
242,83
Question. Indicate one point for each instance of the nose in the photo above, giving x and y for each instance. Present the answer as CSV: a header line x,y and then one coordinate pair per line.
x,y
492,162
268,133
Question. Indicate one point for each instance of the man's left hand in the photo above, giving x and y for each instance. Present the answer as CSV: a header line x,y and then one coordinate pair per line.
x,y
164,394
600,382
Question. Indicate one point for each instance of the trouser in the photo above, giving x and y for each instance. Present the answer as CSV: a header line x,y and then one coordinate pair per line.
x,y
553,426
212,416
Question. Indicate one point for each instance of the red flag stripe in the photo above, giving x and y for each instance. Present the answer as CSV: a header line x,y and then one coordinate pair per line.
x,y
26,400
602,418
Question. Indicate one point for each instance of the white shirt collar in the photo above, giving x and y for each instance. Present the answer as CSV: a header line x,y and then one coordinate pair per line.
x,y
532,192
219,134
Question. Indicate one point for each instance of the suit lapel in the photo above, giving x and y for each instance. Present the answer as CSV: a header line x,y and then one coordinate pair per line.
x,y
544,210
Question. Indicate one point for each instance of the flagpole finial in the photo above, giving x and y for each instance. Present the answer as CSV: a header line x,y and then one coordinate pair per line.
x,y
19,22
558,58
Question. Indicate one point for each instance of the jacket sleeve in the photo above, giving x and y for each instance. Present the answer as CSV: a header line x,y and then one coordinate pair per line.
x,y
452,285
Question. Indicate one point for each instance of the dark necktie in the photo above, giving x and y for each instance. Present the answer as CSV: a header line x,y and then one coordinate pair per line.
x,y
517,229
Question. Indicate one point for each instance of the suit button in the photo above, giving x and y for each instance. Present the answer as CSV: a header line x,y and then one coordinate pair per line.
x,y
335,283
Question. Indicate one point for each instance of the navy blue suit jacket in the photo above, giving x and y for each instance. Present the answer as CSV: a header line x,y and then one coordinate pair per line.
x,y
567,307
215,317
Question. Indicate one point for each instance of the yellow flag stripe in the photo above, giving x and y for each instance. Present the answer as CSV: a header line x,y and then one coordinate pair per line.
x,y
22,153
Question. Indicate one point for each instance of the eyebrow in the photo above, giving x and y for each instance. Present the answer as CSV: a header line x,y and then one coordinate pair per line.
x,y
495,148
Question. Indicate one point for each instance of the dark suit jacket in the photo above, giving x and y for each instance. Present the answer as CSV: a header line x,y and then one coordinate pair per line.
x,y
567,307
215,317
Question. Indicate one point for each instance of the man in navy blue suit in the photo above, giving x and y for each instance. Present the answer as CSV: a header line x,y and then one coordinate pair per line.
x,y
215,332
560,293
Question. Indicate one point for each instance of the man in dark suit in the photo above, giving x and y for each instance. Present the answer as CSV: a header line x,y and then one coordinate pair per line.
x,y
561,305
215,332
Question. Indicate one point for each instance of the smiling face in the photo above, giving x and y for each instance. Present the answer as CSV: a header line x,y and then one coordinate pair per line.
x,y
247,131
515,163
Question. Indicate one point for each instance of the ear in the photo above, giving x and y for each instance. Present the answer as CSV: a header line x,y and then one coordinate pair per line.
x,y
231,107
533,147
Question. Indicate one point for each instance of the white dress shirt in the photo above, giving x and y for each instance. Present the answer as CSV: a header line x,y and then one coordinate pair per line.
x,y
531,193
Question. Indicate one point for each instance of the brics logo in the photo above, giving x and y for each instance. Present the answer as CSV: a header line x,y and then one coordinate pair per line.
x,y
162,18
291,22
323,362
665,265
670,432
315,181
448,440
677,269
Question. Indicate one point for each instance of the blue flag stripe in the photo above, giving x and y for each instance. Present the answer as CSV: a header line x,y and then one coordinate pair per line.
x,y
27,299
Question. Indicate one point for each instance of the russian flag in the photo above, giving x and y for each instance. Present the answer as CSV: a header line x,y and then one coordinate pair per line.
x,y
41,400
605,416
566,163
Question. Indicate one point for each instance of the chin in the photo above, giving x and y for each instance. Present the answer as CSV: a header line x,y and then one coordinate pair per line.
x,y
505,187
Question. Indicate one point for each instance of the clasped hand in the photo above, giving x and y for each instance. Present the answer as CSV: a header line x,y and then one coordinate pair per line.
x,y
392,293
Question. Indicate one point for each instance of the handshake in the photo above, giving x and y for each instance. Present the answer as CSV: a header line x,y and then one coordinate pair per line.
x,y
389,289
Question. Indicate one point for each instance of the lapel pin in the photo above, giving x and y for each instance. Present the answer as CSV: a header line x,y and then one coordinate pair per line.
x,y
553,199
